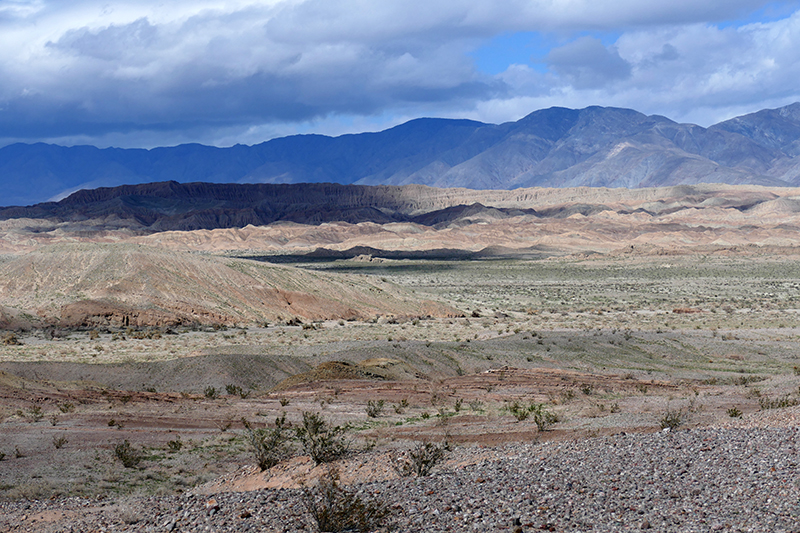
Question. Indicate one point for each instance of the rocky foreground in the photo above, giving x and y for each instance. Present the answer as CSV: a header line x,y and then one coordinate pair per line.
x,y
724,479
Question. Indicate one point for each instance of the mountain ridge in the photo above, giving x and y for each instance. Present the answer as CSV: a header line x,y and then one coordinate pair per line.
x,y
555,147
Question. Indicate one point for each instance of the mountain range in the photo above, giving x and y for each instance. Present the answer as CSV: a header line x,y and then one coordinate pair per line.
x,y
556,147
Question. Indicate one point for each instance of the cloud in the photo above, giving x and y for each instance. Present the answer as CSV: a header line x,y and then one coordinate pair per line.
x,y
204,70
587,63
697,73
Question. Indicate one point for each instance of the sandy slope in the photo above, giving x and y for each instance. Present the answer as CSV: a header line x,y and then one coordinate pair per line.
x,y
134,285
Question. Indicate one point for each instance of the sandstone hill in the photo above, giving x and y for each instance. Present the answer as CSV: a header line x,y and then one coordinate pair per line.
x,y
556,147
133,285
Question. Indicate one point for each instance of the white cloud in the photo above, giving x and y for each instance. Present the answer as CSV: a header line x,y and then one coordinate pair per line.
x,y
207,70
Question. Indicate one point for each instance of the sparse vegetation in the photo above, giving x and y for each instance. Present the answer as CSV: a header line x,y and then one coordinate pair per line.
x,y
399,408
374,408
175,445
542,417
734,412
10,339
35,413
128,455
236,390
59,442
211,393
335,509
421,459
270,446
672,418
321,440
777,403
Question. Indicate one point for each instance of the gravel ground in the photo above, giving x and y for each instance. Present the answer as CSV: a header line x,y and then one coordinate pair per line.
x,y
716,479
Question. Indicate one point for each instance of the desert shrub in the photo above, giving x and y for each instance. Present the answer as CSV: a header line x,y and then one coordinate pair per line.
x,y
128,454
175,445
322,441
236,390
284,402
734,412
59,442
777,403
542,417
66,407
458,404
335,509
672,418
211,393
10,339
374,408
2,456
35,413
399,408
420,460
519,411
269,445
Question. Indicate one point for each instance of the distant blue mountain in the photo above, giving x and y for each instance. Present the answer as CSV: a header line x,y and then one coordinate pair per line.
x,y
556,147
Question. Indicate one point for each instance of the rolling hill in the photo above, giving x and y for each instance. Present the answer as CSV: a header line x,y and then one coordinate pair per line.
x,y
87,285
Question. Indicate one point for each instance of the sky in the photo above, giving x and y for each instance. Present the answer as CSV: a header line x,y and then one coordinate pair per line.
x,y
160,73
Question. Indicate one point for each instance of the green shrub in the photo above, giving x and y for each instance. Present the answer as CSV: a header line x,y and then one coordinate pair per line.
x,y
519,411
672,418
211,393
335,509
400,407
374,408
175,445
127,454
458,404
421,459
542,417
734,412
269,446
36,413
322,441
777,403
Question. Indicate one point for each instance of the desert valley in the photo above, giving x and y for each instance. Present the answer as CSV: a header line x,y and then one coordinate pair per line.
x,y
479,360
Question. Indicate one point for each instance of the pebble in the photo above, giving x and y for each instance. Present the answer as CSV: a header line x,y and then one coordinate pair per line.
x,y
718,479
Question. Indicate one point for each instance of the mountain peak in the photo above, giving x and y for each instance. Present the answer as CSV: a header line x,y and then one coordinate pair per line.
x,y
554,147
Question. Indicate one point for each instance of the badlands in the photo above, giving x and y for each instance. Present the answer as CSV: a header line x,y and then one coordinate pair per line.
x,y
581,359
